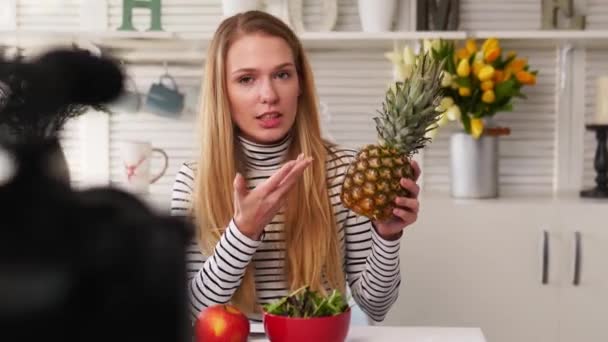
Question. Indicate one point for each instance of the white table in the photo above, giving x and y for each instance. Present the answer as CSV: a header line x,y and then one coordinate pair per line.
x,y
408,334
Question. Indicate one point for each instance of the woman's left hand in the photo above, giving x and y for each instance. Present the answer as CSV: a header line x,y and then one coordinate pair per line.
x,y
406,211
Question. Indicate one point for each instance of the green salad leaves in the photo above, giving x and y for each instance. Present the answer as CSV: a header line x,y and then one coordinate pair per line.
x,y
305,303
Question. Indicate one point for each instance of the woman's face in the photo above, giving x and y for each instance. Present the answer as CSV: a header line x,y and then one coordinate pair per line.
x,y
263,87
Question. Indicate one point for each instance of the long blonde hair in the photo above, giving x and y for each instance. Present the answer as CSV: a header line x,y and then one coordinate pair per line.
x,y
313,255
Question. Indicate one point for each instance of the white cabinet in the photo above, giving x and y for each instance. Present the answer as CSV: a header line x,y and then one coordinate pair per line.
x,y
481,263
583,315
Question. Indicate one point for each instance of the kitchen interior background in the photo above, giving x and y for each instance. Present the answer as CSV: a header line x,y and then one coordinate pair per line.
x,y
351,80
466,263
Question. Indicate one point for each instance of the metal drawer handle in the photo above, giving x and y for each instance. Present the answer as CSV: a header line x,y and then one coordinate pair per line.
x,y
577,258
545,275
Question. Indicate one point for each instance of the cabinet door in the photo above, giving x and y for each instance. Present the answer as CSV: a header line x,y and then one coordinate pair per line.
x,y
479,264
584,301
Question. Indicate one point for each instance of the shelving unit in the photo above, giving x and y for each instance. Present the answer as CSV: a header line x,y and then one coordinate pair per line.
x,y
350,64
196,40
584,38
542,34
335,39
187,48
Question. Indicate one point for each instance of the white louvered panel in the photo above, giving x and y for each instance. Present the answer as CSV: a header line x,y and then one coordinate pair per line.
x,y
55,15
527,155
597,14
352,84
177,15
596,65
500,15
174,135
70,143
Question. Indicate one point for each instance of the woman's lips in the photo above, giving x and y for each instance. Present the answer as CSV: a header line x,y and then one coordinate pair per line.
x,y
270,120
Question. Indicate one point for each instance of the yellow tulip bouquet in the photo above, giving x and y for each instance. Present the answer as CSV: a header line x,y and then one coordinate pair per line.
x,y
479,82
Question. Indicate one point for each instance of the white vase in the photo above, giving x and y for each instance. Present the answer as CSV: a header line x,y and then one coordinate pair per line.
x,y
474,166
377,15
232,7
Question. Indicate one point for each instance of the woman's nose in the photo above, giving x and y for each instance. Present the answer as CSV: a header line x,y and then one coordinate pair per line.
x,y
268,94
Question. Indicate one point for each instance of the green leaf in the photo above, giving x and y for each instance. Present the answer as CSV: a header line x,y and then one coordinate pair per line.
x,y
466,122
463,81
502,64
508,107
306,303
505,89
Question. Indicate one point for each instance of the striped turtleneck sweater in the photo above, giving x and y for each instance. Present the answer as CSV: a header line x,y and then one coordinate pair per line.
x,y
371,263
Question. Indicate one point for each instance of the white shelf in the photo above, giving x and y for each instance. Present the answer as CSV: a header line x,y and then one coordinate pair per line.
x,y
338,39
366,39
197,41
331,40
536,38
543,34
394,35
48,34
107,38
353,35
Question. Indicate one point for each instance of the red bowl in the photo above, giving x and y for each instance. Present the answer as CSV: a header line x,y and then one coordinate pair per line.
x,y
318,329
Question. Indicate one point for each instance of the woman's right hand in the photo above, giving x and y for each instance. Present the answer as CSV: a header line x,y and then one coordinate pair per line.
x,y
255,209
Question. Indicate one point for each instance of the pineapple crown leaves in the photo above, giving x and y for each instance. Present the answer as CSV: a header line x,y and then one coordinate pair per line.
x,y
409,109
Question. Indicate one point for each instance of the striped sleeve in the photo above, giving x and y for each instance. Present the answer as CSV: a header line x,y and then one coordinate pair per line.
x,y
181,194
372,267
371,262
211,280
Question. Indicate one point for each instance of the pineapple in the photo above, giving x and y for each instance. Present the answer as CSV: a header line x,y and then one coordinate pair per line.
x,y
408,113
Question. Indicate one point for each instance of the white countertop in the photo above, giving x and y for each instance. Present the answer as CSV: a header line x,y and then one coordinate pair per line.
x,y
408,334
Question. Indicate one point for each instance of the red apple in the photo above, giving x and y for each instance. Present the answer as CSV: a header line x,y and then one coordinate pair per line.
x,y
221,323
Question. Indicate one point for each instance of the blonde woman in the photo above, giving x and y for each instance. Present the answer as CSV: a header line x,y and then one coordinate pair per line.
x,y
264,193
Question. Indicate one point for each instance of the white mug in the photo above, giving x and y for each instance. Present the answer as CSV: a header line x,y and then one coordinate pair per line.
x,y
135,158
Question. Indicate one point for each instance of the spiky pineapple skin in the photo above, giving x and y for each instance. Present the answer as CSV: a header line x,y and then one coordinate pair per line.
x,y
372,182
409,111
